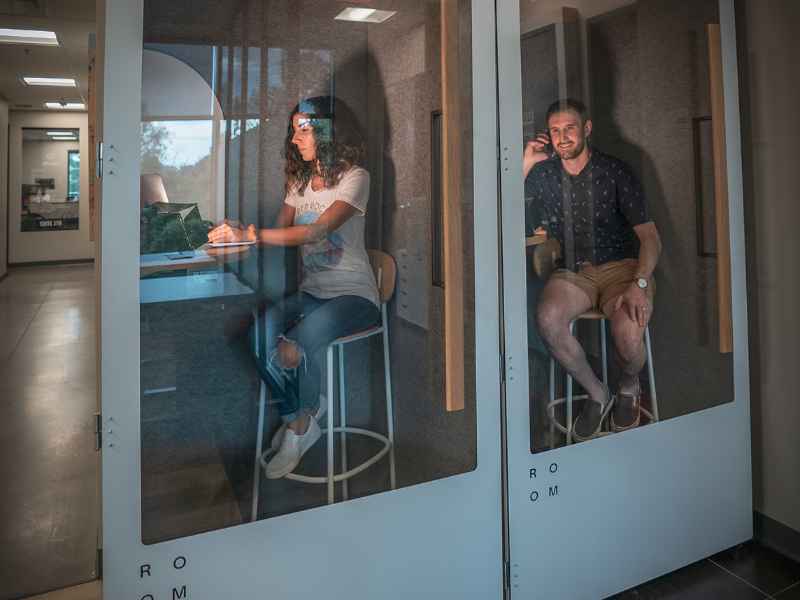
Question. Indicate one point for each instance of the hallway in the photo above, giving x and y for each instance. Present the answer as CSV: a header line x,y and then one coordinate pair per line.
x,y
48,465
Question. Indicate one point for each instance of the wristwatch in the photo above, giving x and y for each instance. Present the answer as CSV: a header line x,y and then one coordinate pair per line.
x,y
641,283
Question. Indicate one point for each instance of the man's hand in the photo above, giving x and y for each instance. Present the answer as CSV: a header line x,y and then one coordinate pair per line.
x,y
231,232
535,152
636,303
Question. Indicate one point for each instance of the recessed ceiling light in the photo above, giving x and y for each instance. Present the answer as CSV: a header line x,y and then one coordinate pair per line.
x,y
52,81
28,36
365,15
65,105
60,133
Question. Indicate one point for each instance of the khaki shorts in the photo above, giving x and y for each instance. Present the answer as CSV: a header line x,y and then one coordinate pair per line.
x,y
605,282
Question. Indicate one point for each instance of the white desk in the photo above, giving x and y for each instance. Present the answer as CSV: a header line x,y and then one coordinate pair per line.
x,y
191,287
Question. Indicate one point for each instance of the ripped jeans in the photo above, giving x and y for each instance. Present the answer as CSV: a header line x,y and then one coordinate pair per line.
x,y
311,324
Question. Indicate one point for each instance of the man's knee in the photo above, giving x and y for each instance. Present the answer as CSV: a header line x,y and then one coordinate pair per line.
x,y
628,339
550,319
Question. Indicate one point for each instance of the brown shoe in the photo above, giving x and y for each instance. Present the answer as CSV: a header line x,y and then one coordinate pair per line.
x,y
627,411
588,423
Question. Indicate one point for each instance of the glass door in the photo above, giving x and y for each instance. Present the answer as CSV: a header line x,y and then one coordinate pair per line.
x,y
299,233
624,291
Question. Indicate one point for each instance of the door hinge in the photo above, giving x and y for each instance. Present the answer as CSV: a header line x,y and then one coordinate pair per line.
x,y
507,575
99,170
98,567
98,431
502,367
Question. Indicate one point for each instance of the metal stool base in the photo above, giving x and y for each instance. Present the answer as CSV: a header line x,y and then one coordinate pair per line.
x,y
266,455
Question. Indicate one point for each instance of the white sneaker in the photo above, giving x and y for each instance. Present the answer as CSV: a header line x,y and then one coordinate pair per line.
x,y
292,449
277,439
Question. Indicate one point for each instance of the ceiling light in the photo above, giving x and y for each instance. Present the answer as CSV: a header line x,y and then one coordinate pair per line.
x,y
60,133
52,81
28,36
65,105
364,15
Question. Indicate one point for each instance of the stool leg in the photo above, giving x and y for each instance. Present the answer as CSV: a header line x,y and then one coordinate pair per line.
x,y
604,360
331,423
387,372
651,374
343,419
604,350
262,401
569,395
552,386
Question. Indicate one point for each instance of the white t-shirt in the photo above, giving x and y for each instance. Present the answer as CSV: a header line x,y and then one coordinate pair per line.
x,y
337,265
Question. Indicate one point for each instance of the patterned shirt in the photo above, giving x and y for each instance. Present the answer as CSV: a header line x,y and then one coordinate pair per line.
x,y
591,214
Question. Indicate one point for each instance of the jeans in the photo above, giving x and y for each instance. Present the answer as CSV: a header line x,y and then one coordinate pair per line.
x,y
310,323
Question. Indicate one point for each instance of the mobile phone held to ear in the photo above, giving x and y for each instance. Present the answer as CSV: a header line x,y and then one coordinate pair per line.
x,y
548,148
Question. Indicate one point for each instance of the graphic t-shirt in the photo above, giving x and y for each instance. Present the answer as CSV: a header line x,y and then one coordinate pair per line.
x,y
337,265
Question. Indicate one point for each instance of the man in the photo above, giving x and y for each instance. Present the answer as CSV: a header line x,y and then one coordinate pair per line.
x,y
593,204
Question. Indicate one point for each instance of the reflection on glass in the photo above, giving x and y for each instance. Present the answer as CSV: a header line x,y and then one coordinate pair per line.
x,y
51,179
287,286
610,208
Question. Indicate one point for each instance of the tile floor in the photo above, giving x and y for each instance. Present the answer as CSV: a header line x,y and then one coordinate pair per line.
x,y
87,591
749,571
49,520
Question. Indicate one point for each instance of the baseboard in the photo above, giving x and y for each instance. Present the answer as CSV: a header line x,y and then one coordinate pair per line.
x,y
52,263
774,534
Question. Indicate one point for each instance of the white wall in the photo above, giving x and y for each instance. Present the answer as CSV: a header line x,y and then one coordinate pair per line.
x,y
41,246
47,160
3,186
770,65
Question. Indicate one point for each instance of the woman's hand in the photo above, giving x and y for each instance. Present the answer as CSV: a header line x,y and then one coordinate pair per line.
x,y
228,232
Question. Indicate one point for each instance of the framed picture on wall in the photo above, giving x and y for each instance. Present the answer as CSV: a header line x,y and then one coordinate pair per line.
x,y
50,180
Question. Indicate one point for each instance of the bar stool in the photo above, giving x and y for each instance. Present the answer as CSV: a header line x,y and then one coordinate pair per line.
x,y
566,428
385,270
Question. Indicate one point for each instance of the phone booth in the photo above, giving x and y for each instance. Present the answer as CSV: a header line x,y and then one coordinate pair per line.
x,y
338,246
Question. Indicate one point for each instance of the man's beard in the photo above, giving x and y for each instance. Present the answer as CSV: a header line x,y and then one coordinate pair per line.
x,y
573,152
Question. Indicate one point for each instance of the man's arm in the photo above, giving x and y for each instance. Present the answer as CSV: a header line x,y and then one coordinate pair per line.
x,y
634,299
650,248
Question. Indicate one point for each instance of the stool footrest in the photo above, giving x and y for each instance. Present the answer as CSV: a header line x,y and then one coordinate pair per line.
x,y
551,411
350,472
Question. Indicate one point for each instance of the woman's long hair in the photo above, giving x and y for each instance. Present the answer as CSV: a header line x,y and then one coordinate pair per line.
x,y
339,139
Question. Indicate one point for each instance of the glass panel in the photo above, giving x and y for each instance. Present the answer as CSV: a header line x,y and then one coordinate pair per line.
x,y
272,121
619,203
50,179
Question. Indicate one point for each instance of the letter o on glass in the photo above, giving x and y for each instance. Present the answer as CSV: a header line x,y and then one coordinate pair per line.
x,y
179,562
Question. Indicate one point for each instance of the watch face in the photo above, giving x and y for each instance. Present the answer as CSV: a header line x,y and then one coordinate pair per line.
x,y
641,282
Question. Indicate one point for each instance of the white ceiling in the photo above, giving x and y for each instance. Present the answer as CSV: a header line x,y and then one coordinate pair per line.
x,y
73,21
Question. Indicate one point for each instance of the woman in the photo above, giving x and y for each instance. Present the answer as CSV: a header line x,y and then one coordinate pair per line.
x,y
324,212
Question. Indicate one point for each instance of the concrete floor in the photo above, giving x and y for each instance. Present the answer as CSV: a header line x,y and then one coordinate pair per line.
x,y
50,515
